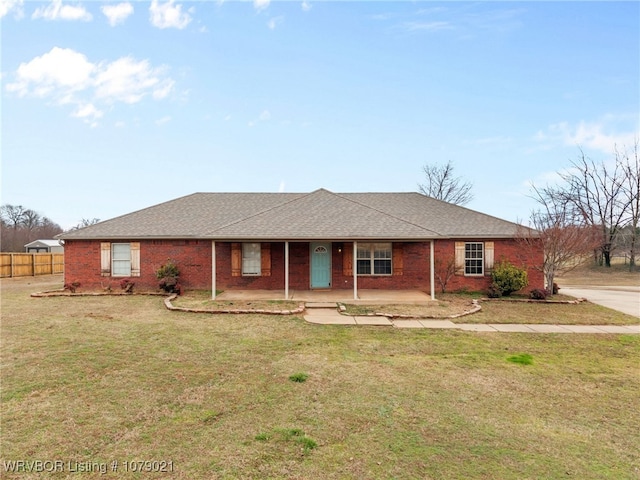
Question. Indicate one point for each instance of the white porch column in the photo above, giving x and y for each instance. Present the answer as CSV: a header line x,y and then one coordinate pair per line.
x,y
432,273
355,270
286,270
213,269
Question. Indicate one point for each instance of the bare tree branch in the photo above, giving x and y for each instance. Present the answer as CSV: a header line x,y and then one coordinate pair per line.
x,y
596,193
566,238
631,192
443,185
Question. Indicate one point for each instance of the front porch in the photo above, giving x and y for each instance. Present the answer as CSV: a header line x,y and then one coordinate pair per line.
x,y
366,272
365,296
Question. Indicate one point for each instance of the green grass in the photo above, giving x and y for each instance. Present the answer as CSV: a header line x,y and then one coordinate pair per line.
x,y
522,359
300,377
105,378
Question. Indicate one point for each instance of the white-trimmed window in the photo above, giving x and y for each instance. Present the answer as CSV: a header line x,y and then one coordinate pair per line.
x,y
474,259
120,259
251,260
374,258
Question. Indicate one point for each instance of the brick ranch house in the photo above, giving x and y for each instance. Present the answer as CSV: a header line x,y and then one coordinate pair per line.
x,y
299,241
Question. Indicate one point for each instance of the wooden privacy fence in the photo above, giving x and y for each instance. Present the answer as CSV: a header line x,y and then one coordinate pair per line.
x,y
30,264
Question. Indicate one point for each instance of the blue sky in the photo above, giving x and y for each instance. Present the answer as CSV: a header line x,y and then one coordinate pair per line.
x,y
109,107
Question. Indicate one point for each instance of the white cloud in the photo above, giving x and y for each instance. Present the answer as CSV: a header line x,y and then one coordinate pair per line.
x,y
274,22
163,89
57,11
261,4
306,6
168,15
602,135
128,80
281,188
427,26
66,77
61,70
163,120
14,6
265,115
88,113
117,14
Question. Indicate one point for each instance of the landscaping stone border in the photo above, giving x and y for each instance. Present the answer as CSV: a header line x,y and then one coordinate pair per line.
x,y
532,300
476,307
65,293
167,302
259,311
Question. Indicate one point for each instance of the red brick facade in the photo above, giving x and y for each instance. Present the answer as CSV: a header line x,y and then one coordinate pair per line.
x,y
194,259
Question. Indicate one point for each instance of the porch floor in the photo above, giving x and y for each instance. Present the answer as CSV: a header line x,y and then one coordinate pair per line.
x,y
343,296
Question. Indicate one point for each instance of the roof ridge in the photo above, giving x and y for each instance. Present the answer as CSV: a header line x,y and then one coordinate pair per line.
x,y
386,213
261,212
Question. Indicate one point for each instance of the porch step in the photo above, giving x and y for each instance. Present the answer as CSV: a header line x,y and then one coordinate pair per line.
x,y
321,305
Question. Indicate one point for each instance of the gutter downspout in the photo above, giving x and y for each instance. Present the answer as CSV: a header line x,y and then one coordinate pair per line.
x,y
213,269
355,270
432,270
286,270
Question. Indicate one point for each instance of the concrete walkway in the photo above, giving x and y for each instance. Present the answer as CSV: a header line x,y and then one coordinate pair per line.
x,y
325,315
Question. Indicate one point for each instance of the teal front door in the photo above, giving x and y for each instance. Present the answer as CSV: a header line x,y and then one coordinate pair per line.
x,y
320,265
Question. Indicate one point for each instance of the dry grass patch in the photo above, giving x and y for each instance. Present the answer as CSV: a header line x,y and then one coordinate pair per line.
x,y
445,306
515,310
584,313
617,275
198,299
121,378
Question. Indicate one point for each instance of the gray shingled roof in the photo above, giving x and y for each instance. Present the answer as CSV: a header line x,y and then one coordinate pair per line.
x,y
300,216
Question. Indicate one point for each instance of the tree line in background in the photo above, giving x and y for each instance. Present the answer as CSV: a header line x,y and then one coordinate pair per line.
x,y
594,211
20,225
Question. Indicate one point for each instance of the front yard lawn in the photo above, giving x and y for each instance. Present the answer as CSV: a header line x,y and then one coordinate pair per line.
x,y
105,379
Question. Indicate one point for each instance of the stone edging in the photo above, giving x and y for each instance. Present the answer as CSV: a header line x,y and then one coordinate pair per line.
x,y
301,308
474,309
167,302
170,306
531,300
65,293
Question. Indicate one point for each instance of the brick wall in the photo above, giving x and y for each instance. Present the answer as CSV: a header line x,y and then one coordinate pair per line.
x,y
507,249
193,257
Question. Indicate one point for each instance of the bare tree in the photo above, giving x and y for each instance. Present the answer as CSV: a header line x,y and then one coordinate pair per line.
x,y
631,193
444,270
86,222
31,220
443,185
48,228
566,238
595,191
12,220
21,226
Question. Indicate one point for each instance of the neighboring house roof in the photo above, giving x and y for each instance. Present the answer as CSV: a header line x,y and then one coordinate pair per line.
x,y
43,243
320,214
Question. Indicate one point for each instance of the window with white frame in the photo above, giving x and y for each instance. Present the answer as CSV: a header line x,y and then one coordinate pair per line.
x,y
251,258
473,258
374,258
121,259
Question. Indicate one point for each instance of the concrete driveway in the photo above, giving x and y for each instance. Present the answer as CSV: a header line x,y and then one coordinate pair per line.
x,y
624,299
